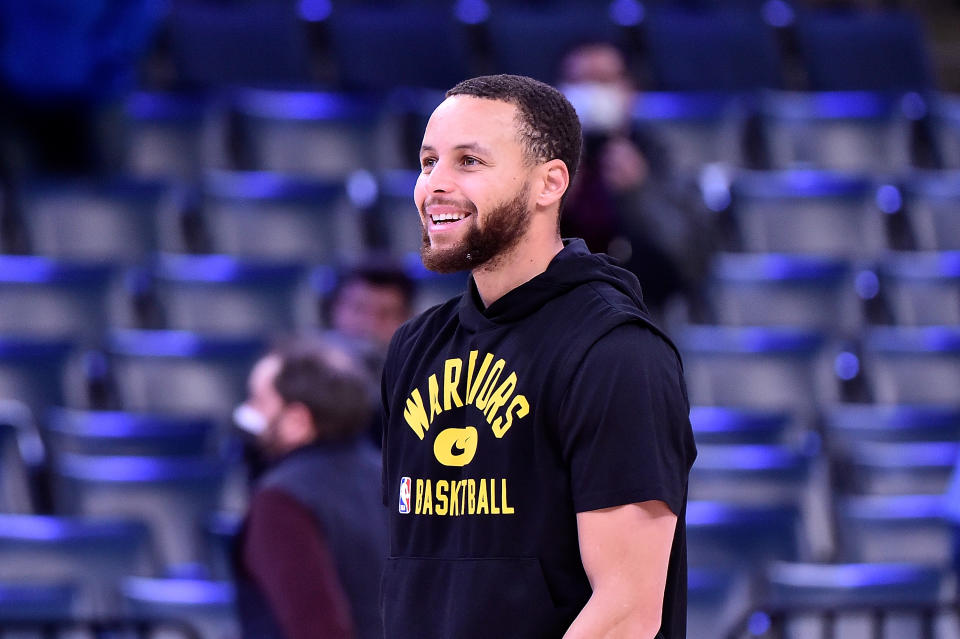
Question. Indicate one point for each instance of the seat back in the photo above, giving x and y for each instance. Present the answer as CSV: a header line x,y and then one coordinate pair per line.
x,y
172,495
884,528
182,372
913,364
208,606
931,201
91,553
922,287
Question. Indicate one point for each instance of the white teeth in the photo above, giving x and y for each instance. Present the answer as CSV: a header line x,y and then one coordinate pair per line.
x,y
447,217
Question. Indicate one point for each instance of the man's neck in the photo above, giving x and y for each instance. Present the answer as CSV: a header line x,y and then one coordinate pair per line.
x,y
520,264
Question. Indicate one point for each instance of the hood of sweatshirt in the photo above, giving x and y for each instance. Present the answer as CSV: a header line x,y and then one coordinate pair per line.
x,y
573,266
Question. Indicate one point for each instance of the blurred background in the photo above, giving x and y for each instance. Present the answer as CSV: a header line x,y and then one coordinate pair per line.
x,y
182,181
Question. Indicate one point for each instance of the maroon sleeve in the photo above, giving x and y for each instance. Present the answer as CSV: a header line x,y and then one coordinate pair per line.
x,y
287,556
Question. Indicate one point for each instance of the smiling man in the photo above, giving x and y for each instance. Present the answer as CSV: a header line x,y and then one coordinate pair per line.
x,y
537,442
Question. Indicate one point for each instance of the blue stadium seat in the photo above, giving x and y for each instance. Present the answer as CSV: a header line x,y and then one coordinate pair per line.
x,y
32,370
221,530
37,602
845,131
775,289
711,600
208,606
173,135
259,43
878,528
268,215
696,128
711,50
531,39
738,425
879,50
114,219
913,363
223,294
849,424
380,48
397,212
834,586
172,495
932,200
93,554
433,288
742,538
751,474
901,468
182,372
758,367
945,117
922,288
318,134
46,297
119,433
819,212
16,426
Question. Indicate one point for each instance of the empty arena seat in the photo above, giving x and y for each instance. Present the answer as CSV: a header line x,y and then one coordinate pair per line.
x,y
53,298
397,213
32,370
878,528
922,288
759,367
379,48
309,133
15,484
711,50
879,50
268,215
742,538
259,43
530,39
932,200
121,433
37,602
696,127
113,219
846,131
182,372
913,363
173,495
224,294
900,468
945,117
739,425
850,424
208,606
91,553
820,212
751,474
775,289
174,135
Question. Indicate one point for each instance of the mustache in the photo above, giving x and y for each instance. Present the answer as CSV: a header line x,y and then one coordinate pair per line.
x,y
439,200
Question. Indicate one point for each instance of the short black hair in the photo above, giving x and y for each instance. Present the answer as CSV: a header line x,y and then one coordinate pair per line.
x,y
548,124
328,381
375,270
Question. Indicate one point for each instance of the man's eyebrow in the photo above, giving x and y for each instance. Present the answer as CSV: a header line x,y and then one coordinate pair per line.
x,y
467,146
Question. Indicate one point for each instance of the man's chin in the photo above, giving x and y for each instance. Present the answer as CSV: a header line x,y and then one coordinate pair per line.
x,y
452,259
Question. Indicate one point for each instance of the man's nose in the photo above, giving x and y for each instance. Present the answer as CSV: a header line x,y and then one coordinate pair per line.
x,y
440,178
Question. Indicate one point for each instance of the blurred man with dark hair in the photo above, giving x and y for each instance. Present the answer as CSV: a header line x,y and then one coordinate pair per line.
x,y
310,553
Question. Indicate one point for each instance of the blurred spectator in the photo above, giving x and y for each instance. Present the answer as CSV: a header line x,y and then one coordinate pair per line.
x,y
311,550
367,306
625,201
64,65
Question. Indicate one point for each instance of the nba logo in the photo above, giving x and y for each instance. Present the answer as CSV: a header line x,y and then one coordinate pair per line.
x,y
405,495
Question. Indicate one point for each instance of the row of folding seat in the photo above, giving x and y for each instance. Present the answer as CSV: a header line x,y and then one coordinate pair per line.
x,y
378,46
330,134
276,216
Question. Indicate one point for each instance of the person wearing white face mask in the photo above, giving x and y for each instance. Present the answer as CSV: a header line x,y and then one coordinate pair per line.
x,y
311,549
626,201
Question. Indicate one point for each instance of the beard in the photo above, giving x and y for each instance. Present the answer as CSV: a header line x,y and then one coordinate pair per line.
x,y
503,227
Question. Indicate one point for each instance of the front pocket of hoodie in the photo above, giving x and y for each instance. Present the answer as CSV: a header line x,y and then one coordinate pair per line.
x,y
488,598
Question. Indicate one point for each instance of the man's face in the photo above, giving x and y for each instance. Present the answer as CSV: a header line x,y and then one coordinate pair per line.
x,y
473,192
369,312
263,397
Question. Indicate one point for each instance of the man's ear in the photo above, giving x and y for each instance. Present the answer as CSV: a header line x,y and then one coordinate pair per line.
x,y
554,181
299,426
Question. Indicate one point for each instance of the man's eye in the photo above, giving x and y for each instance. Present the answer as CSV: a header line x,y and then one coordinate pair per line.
x,y
427,162
469,160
